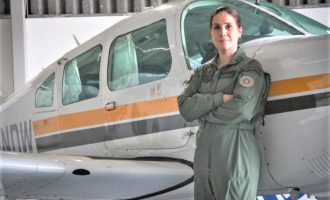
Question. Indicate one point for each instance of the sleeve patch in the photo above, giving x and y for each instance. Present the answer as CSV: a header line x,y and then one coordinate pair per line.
x,y
246,81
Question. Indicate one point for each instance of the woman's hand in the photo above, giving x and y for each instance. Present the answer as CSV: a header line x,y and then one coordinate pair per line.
x,y
227,97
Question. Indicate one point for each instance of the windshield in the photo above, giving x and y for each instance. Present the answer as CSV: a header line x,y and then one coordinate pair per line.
x,y
309,25
256,23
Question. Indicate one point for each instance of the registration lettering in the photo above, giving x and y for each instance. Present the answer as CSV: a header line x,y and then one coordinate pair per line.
x,y
16,137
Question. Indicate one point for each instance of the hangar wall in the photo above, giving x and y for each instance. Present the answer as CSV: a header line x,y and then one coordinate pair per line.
x,y
55,37
39,8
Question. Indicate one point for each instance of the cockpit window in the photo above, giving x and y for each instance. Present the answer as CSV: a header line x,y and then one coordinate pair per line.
x,y
45,93
139,57
195,28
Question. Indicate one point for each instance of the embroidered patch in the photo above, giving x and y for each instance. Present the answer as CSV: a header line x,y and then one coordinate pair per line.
x,y
246,81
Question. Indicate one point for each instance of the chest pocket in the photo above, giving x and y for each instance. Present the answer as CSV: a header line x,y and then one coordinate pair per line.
x,y
206,80
227,80
213,81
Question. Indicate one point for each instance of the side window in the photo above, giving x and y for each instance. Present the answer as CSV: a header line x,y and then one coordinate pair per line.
x,y
81,76
139,57
45,93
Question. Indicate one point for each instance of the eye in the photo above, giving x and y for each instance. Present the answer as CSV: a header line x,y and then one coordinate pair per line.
x,y
228,26
216,27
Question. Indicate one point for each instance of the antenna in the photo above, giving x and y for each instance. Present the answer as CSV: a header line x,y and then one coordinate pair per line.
x,y
76,40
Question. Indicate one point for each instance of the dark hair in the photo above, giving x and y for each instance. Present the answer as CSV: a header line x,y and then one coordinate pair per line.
x,y
230,10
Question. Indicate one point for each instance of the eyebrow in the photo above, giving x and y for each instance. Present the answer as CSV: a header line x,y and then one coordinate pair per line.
x,y
228,23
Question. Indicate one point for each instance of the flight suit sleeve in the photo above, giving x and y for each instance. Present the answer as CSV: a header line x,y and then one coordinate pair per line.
x,y
248,88
192,104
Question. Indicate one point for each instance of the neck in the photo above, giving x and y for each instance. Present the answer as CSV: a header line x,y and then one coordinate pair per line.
x,y
225,56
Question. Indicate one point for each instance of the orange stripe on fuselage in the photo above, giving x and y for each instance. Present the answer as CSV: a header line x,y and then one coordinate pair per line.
x,y
99,116
301,84
161,106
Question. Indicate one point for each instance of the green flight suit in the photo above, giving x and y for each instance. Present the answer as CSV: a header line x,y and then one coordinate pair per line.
x,y
227,155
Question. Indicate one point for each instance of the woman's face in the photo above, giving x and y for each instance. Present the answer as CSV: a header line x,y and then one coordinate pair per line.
x,y
225,32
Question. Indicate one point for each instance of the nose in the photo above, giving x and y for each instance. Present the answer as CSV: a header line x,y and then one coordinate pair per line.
x,y
222,31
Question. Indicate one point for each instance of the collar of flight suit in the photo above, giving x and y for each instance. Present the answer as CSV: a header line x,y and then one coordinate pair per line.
x,y
238,57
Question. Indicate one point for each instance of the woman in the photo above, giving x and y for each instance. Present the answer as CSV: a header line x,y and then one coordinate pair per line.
x,y
224,95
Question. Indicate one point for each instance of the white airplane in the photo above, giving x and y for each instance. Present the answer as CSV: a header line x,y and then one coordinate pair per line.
x,y
102,122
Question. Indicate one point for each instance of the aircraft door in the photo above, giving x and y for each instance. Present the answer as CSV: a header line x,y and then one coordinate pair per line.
x,y
141,107
81,112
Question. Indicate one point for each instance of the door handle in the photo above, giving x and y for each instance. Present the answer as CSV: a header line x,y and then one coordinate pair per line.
x,y
110,106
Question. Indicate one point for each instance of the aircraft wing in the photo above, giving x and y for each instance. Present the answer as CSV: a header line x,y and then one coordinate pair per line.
x,y
47,176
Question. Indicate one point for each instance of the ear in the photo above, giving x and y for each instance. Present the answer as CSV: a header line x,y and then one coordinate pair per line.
x,y
240,30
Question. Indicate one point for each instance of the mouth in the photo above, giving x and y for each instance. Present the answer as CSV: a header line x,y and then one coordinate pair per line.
x,y
222,41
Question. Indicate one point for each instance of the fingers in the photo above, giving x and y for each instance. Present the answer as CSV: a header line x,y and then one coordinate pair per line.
x,y
227,97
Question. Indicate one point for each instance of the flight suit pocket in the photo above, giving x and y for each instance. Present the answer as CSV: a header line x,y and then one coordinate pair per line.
x,y
227,82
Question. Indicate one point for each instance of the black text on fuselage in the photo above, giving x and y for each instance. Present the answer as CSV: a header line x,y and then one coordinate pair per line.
x,y
16,137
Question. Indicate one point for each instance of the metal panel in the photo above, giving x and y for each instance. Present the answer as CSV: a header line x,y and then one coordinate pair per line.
x,y
2,7
157,2
55,7
37,7
90,7
107,6
140,5
72,6
124,6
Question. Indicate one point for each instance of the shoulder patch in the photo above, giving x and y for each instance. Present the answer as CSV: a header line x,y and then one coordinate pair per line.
x,y
246,81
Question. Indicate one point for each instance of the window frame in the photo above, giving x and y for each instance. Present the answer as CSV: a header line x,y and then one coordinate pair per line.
x,y
113,44
53,106
74,58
